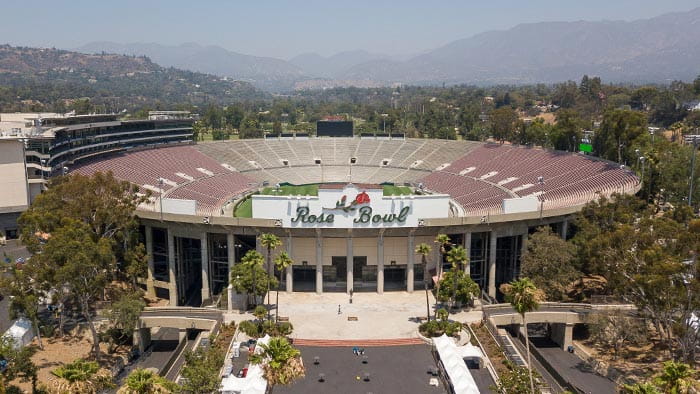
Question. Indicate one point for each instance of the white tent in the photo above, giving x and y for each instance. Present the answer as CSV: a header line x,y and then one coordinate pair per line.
x,y
21,332
254,381
457,371
471,352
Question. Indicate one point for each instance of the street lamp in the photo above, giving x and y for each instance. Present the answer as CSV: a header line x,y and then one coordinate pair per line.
x,y
384,123
160,203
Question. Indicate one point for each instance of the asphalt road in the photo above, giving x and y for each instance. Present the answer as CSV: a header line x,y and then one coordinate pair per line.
x,y
392,369
572,368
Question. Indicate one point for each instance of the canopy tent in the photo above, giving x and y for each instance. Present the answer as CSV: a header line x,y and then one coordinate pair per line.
x,y
254,381
471,352
21,333
455,367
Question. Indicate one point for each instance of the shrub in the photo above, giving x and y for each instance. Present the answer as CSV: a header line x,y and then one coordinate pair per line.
x,y
436,328
256,329
249,328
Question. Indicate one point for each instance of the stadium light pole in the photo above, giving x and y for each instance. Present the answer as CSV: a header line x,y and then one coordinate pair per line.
x,y
384,123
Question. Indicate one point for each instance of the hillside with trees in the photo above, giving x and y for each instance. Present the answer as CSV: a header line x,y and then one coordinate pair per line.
x,y
42,79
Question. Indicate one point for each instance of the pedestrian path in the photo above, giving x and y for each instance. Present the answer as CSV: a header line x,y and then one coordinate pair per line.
x,y
357,342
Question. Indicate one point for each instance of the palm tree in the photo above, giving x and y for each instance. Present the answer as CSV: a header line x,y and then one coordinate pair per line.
x,y
281,361
81,377
442,240
253,259
144,381
457,256
525,297
424,250
676,378
281,263
269,241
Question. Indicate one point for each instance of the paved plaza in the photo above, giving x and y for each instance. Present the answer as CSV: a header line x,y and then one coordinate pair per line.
x,y
379,316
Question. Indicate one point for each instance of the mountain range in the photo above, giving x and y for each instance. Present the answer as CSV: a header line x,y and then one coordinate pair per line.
x,y
658,49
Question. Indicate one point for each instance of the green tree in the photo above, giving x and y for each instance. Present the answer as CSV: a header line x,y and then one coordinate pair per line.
x,y
201,370
19,364
424,250
503,123
458,287
24,293
567,132
123,315
250,128
280,361
676,378
250,277
233,115
270,242
282,262
105,204
81,377
143,381
136,264
524,296
615,330
621,132
442,240
457,257
549,262
73,262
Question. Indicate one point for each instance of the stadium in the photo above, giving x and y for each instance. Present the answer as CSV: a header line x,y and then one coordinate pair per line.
x,y
350,210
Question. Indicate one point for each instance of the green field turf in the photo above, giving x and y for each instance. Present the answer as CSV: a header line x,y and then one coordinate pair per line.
x,y
244,209
390,190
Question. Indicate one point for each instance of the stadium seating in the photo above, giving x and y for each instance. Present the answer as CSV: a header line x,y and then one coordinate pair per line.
x,y
477,176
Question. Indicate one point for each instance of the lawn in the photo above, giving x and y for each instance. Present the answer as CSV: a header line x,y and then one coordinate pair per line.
x,y
391,190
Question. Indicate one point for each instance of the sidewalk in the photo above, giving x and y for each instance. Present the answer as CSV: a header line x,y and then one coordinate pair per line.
x,y
390,315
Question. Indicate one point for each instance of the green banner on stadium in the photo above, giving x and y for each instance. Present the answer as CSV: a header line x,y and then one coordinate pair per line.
x,y
588,148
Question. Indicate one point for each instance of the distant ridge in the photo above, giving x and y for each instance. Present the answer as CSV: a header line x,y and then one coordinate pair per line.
x,y
658,49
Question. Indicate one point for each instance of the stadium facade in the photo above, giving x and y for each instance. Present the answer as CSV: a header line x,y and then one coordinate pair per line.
x,y
349,210
36,146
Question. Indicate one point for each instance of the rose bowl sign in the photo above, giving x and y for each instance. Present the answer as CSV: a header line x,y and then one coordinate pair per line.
x,y
349,207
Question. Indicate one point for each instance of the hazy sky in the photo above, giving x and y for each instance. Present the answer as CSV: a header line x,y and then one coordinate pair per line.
x,y
286,28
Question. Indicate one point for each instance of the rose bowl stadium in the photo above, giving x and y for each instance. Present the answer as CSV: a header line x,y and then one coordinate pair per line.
x,y
350,210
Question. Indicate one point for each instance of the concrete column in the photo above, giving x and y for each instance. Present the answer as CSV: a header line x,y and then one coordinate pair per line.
x,y
172,283
467,246
562,334
142,337
289,285
564,228
229,294
410,264
204,242
492,264
231,252
150,288
523,246
380,263
350,264
319,264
